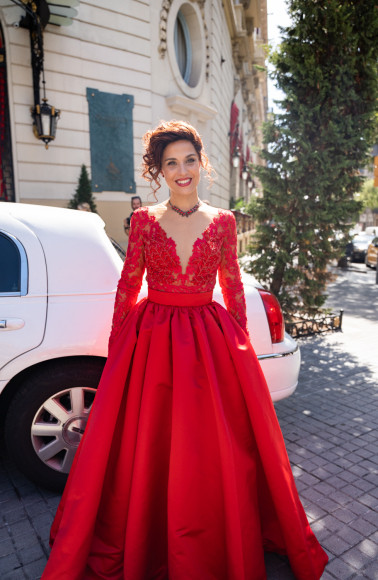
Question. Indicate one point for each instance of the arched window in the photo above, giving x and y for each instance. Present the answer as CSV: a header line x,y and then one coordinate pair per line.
x,y
183,46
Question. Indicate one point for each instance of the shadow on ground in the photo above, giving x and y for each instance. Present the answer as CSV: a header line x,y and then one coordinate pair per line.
x,y
330,427
355,291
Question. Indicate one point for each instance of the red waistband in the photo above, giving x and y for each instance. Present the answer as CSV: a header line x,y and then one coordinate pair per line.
x,y
179,299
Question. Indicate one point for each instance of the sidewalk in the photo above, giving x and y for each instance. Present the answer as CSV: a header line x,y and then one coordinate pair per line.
x,y
330,427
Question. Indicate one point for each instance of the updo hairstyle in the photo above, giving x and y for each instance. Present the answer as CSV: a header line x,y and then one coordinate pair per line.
x,y
156,140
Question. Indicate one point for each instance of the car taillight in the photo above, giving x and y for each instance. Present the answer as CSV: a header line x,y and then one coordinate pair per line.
x,y
274,314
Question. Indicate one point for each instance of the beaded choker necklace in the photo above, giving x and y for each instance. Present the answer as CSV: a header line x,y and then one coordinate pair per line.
x,y
185,213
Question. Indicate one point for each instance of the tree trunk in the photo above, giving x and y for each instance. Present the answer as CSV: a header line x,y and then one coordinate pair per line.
x,y
277,280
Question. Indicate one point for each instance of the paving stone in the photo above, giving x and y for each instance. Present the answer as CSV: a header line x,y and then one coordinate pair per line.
x,y
9,564
4,533
353,491
331,468
42,520
371,571
369,548
336,545
355,557
344,515
328,523
321,473
340,570
15,515
14,575
10,506
366,486
324,488
21,527
364,453
25,541
328,504
31,554
36,508
358,508
33,571
369,500
6,548
350,535
315,511
372,517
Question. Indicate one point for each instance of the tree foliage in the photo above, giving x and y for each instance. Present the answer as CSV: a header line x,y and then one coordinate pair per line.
x,y
83,192
326,68
369,195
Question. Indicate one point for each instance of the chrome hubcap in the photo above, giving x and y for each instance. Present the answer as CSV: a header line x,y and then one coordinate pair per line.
x,y
58,426
74,429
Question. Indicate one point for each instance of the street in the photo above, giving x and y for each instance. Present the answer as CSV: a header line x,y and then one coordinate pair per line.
x,y
330,426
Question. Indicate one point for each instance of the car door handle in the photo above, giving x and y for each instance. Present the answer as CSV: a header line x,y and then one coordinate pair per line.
x,y
11,323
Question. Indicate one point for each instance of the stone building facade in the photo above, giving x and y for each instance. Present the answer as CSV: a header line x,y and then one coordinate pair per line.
x,y
114,70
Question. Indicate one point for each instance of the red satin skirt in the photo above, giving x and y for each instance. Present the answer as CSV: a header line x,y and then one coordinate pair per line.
x,y
182,473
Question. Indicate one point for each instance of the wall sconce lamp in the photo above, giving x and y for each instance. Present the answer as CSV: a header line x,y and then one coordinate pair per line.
x,y
245,173
45,119
45,116
236,157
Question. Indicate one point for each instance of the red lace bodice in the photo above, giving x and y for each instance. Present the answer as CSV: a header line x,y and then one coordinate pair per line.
x,y
150,247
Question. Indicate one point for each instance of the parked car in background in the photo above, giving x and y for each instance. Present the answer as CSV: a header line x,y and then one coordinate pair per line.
x,y
372,253
371,230
59,272
356,249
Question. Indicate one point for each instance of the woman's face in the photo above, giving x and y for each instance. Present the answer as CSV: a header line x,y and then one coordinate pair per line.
x,y
181,167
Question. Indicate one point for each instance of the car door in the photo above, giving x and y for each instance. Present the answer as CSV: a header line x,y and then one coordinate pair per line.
x,y
23,289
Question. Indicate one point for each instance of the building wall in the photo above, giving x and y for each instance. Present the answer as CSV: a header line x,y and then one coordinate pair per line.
x,y
126,46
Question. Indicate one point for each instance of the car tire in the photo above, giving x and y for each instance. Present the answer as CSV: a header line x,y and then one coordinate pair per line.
x,y
47,417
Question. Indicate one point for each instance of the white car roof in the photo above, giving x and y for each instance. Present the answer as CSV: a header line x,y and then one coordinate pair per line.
x,y
79,255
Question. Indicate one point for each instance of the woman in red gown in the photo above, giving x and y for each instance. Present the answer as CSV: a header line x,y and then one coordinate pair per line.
x,y
182,473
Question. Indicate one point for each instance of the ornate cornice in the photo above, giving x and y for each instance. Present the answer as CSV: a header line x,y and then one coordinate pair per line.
x,y
164,12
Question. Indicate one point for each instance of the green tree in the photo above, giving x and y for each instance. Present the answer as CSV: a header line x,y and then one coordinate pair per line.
x,y
83,192
326,68
369,195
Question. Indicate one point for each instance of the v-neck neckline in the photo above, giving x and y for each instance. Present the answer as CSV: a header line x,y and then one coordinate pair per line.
x,y
174,243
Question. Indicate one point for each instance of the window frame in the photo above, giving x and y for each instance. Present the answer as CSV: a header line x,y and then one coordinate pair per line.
x,y
192,87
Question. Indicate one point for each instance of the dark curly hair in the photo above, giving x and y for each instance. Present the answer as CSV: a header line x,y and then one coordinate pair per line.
x,y
156,140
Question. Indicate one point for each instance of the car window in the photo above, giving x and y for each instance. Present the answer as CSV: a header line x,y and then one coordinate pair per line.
x,y
13,266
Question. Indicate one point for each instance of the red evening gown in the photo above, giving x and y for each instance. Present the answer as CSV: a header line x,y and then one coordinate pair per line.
x,y
182,473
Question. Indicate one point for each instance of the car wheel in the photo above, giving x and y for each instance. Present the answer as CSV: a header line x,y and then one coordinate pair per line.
x,y
47,417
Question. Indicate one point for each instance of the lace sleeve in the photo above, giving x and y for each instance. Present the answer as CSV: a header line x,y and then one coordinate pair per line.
x,y
131,278
229,276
